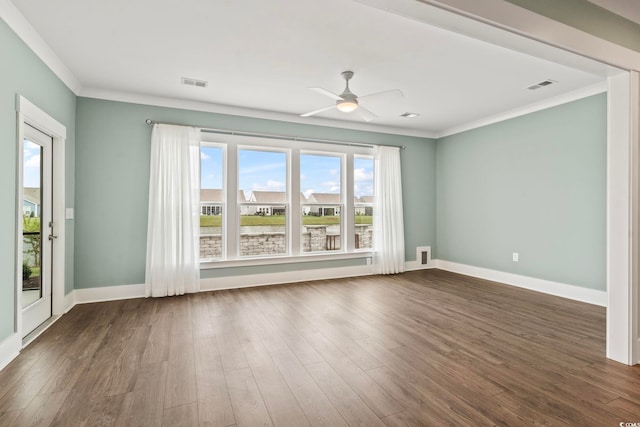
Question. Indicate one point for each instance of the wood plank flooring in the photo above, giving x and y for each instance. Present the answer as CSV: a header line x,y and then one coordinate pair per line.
x,y
421,348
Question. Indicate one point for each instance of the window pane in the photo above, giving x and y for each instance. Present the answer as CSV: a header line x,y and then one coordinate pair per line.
x,y
32,227
363,201
211,202
262,181
321,202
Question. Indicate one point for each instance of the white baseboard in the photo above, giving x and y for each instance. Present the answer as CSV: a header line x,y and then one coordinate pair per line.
x,y
415,265
251,280
564,290
9,349
112,293
108,293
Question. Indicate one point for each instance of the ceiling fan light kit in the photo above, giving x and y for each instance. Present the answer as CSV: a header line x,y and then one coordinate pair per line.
x,y
347,101
347,106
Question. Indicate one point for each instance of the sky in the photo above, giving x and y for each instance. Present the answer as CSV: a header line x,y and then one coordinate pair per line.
x,y
266,171
31,169
259,170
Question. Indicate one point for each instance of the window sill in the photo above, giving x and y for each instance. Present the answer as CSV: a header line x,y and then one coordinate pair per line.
x,y
206,265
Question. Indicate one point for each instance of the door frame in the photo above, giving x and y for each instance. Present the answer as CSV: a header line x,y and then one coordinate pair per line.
x,y
27,112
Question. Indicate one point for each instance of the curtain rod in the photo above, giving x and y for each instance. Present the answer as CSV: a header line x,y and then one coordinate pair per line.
x,y
274,136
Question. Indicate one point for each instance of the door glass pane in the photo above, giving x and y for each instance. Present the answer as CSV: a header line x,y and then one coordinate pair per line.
x,y
363,201
211,203
262,181
321,204
31,224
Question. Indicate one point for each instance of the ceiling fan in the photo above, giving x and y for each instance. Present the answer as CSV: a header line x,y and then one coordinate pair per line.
x,y
348,102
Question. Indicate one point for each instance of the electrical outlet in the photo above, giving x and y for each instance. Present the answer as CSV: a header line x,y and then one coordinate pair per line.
x,y
516,257
368,261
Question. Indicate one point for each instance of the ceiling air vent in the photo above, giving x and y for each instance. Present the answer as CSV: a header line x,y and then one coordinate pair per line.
x,y
542,84
193,82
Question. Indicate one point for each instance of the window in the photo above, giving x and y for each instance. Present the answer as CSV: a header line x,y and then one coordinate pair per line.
x,y
263,201
264,198
212,202
321,202
363,201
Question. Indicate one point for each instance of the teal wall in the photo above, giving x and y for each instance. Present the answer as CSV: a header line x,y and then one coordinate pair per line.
x,y
112,180
22,72
533,185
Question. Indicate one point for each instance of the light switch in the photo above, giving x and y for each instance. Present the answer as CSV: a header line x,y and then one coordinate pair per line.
x,y
516,257
69,213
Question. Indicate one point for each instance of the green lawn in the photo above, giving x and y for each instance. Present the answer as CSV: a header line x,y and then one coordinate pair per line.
x,y
30,224
215,220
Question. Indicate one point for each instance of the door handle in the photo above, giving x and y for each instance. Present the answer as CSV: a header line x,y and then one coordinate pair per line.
x,y
51,237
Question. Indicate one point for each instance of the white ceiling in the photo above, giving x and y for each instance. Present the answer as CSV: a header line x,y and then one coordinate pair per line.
x,y
264,55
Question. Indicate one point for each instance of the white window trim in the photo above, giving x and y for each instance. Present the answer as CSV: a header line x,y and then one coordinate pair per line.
x,y
293,149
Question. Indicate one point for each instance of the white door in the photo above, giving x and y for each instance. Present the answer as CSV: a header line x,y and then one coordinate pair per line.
x,y
38,228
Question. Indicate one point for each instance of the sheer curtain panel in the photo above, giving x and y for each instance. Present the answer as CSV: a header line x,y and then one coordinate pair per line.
x,y
174,198
388,224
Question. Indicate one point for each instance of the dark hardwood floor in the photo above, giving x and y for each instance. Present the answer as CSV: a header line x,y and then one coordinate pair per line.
x,y
422,348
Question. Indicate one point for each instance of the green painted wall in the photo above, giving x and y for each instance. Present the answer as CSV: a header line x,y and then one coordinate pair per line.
x,y
112,169
21,72
589,18
533,185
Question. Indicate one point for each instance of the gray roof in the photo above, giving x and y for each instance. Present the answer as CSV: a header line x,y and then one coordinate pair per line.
x,y
32,194
209,195
268,197
324,198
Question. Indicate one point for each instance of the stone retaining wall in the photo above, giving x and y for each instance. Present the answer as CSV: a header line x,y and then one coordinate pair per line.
x,y
314,239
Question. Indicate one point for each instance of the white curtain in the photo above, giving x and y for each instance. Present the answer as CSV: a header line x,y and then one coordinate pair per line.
x,y
174,197
388,225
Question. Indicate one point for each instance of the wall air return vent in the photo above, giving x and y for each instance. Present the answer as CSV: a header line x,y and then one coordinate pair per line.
x,y
193,82
423,255
542,84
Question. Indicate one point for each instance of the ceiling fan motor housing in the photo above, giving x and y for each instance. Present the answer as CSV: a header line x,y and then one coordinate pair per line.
x,y
349,101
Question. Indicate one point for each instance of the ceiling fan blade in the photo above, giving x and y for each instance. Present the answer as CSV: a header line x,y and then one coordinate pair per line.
x,y
389,94
326,93
317,111
366,115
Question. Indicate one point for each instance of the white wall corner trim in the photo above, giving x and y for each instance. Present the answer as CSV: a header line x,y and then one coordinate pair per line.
x,y
621,232
9,349
251,280
563,290
19,24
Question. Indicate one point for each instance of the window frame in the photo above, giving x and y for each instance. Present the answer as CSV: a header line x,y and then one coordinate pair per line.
x,y
287,204
295,254
342,157
223,202
365,205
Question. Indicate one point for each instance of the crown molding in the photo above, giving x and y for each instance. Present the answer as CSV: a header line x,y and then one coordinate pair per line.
x,y
136,98
575,95
19,24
